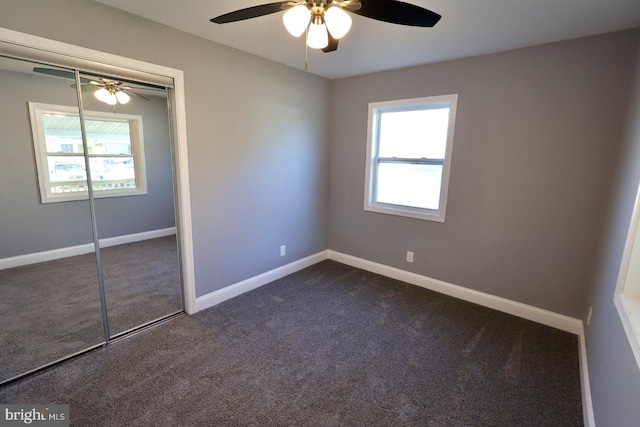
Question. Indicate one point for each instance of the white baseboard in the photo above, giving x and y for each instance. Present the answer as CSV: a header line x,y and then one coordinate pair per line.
x,y
221,295
137,237
587,404
535,314
86,248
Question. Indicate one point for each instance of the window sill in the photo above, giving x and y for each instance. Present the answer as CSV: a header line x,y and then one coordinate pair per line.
x,y
68,197
423,214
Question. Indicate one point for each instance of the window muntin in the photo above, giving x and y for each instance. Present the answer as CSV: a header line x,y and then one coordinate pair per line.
x,y
115,151
409,155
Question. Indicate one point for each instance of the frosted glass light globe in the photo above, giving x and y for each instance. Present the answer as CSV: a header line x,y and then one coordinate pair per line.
x,y
338,21
122,97
318,38
296,20
102,95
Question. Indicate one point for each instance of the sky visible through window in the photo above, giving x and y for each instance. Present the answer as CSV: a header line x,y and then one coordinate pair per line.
x,y
419,134
414,134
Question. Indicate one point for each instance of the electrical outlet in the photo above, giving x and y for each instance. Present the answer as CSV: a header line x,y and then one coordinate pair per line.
x,y
409,256
283,250
589,316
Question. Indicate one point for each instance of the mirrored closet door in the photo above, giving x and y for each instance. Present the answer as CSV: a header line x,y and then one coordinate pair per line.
x,y
88,247
129,142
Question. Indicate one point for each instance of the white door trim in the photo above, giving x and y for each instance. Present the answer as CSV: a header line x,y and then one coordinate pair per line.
x,y
180,124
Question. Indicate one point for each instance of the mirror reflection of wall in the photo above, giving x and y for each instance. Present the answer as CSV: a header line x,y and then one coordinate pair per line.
x,y
138,157
48,308
50,274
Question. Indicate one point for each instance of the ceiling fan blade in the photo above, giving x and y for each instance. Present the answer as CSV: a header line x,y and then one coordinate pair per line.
x,y
250,12
86,87
59,73
397,12
128,92
55,73
348,4
333,44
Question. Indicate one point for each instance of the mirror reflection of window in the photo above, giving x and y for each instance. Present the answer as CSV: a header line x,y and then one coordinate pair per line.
x,y
49,304
60,263
115,149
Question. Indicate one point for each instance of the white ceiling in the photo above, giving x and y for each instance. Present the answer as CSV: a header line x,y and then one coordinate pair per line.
x,y
467,28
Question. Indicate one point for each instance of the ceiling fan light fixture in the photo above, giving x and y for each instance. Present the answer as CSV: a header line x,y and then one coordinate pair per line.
x,y
112,100
317,37
338,21
310,15
105,96
296,20
122,97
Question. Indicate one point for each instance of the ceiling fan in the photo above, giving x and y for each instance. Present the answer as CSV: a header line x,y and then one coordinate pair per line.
x,y
326,21
109,91
112,92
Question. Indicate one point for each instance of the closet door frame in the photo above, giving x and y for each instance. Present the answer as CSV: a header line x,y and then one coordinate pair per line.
x,y
43,50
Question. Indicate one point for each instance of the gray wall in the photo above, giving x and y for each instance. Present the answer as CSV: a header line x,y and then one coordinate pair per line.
x,y
257,136
614,374
155,210
29,226
536,137
26,226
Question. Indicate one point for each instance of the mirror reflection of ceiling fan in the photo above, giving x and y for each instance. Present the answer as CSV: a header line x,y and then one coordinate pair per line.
x,y
325,21
109,91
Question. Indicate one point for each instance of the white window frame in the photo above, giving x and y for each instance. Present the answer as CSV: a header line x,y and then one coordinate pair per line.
x,y
627,294
377,108
36,112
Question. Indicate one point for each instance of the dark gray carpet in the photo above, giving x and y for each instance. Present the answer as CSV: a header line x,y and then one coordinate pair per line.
x,y
330,345
51,309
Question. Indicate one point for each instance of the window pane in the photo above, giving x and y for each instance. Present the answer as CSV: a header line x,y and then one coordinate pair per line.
x,y
67,174
409,185
67,168
414,134
62,133
108,137
112,173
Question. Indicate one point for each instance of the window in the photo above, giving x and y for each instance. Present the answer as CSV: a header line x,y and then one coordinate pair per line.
x,y
115,153
627,294
409,156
